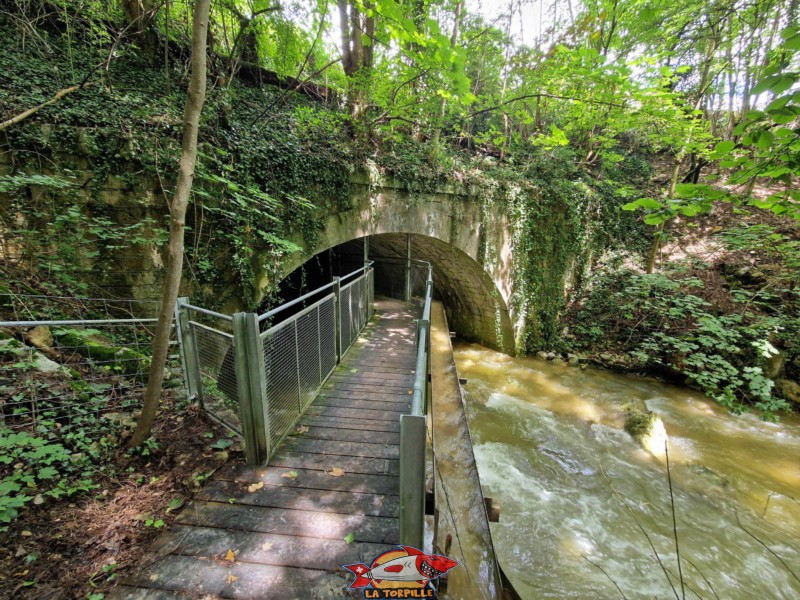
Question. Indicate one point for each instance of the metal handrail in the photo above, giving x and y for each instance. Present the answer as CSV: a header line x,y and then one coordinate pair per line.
x,y
277,309
366,266
412,436
296,316
313,292
74,322
205,311
421,371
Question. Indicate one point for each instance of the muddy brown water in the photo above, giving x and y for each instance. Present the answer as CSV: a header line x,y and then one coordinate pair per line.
x,y
551,449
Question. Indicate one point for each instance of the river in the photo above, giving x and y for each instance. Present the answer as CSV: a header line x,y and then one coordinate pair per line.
x,y
579,498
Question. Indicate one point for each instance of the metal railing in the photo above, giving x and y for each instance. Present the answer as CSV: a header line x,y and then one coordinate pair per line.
x,y
209,365
64,360
258,376
412,435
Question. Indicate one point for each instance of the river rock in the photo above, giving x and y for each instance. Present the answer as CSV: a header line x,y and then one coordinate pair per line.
x,y
573,359
542,355
550,355
40,337
647,428
36,359
774,365
788,389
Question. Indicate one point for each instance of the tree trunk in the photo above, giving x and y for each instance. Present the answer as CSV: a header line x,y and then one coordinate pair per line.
x,y
437,130
194,105
140,14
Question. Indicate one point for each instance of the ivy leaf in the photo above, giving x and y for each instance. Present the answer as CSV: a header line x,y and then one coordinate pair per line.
x,y
349,538
290,475
47,473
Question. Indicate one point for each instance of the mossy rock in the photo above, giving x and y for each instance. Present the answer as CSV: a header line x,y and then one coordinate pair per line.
x,y
639,424
647,428
95,346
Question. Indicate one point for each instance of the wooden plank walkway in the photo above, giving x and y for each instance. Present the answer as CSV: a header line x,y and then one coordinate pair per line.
x,y
288,535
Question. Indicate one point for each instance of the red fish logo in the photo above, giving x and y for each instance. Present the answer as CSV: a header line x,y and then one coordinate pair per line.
x,y
404,568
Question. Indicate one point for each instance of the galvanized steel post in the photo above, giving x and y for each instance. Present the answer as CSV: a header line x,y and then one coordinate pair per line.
x,y
251,383
407,295
337,317
191,368
412,479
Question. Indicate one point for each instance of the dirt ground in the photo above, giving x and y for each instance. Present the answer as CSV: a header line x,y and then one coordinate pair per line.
x,y
82,546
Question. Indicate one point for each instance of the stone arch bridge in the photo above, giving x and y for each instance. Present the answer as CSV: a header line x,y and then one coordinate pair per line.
x,y
469,248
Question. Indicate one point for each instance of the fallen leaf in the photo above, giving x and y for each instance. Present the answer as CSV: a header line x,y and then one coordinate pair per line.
x,y
410,391
335,472
231,578
354,370
290,475
153,577
38,499
255,487
230,556
266,546
349,538
26,533
302,429
174,504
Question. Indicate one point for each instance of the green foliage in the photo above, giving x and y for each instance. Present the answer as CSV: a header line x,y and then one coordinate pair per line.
x,y
690,200
662,324
769,145
33,467
62,244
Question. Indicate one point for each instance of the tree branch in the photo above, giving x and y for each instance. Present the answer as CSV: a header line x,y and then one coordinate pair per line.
x,y
543,95
31,111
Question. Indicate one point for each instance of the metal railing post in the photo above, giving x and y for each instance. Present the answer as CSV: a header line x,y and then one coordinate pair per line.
x,y
251,383
337,317
407,294
412,437
412,479
297,368
191,367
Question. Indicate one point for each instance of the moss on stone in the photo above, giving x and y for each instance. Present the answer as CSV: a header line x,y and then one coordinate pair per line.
x,y
96,347
639,424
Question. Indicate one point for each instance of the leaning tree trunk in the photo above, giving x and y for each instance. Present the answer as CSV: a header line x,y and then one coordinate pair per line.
x,y
191,122
140,15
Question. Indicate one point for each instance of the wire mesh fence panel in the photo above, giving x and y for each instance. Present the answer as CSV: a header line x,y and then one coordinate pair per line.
x,y
65,361
353,307
370,293
216,363
419,278
281,366
309,364
327,339
346,317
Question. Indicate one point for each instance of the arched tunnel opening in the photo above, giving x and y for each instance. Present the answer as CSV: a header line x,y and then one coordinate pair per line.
x,y
475,308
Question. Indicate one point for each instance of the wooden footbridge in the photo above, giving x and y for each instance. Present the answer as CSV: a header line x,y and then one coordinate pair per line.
x,y
339,486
